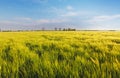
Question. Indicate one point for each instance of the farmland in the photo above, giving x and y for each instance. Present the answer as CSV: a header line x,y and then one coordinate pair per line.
x,y
60,54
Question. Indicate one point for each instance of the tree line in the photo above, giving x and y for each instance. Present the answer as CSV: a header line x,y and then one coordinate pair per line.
x,y
65,29
42,29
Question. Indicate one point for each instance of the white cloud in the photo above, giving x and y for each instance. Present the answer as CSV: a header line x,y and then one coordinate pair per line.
x,y
103,18
23,18
69,7
32,24
41,21
7,22
104,22
70,14
29,21
69,11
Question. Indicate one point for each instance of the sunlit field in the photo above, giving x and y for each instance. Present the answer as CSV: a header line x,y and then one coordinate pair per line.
x,y
60,54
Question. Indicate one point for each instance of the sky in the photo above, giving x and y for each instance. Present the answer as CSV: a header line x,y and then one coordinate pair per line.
x,y
48,14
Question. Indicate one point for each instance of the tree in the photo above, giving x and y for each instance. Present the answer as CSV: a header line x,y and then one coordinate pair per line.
x,y
55,29
59,29
43,29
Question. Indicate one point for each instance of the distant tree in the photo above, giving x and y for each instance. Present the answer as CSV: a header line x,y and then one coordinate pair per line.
x,y
64,29
69,29
55,29
74,29
59,29
43,29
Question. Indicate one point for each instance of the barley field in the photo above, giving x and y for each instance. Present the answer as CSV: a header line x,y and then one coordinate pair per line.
x,y
60,54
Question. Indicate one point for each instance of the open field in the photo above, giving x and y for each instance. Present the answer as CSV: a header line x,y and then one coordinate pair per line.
x,y
60,54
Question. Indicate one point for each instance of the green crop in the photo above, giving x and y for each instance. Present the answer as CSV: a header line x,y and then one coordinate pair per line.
x,y
60,54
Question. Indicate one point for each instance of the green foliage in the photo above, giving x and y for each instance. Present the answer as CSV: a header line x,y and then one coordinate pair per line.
x,y
60,54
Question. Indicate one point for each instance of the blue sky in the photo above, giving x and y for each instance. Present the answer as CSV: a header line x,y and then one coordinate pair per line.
x,y
48,14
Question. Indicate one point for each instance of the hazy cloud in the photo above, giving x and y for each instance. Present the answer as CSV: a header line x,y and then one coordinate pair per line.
x,y
68,11
41,21
104,22
23,19
103,18
70,14
69,7
29,21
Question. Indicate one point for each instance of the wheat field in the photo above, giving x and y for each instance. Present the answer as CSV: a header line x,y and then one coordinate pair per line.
x,y
60,54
